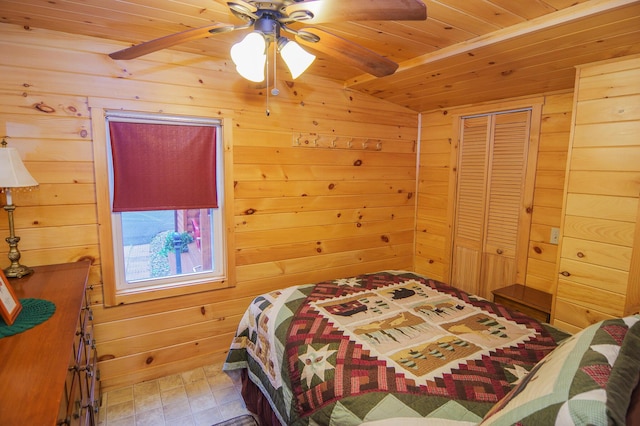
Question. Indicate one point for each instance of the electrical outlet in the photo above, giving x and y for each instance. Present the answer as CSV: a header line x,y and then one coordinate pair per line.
x,y
555,235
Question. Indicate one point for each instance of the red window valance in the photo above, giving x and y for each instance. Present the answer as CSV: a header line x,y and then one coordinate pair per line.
x,y
163,166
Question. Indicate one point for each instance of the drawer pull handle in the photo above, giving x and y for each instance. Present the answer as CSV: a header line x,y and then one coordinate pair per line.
x,y
580,254
565,273
499,251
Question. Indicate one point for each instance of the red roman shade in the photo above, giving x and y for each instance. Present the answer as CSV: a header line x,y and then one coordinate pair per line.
x,y
163,166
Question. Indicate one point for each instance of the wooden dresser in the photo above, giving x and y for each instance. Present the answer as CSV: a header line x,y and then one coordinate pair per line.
x,y
48,373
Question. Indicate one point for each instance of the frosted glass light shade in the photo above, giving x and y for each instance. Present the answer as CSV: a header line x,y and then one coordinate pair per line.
x,y
250,57
296,58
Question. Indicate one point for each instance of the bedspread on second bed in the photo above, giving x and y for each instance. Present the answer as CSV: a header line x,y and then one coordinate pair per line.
x,y
388,344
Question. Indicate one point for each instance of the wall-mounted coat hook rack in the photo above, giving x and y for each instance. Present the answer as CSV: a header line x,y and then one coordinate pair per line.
x,y
318,140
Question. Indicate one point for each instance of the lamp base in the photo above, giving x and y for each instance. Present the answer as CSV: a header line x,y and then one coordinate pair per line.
x,y
15,270
18,271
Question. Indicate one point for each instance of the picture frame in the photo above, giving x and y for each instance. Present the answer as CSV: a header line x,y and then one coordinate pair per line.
x,y
10,306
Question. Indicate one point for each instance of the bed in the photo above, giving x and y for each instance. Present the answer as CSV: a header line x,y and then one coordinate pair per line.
x,y
395,347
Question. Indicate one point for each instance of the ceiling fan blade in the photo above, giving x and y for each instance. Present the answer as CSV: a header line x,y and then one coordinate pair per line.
x,y
348,52
360,10
170,40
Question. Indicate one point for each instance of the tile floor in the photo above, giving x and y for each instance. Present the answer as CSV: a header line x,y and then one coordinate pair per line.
x,y
203,396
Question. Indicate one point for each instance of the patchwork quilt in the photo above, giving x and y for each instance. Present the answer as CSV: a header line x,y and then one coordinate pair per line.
x,y
387,344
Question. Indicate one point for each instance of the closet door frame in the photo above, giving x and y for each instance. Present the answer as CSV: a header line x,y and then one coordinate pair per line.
x,y
533,104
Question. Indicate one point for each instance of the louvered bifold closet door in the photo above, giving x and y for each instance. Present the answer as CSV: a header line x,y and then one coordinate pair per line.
x,y
505,189
489,210
470,203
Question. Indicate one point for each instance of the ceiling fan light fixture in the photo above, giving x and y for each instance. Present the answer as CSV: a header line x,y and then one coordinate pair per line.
x,y
250,57
296,58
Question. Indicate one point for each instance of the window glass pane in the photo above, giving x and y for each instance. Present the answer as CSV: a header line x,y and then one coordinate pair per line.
x,y
166,243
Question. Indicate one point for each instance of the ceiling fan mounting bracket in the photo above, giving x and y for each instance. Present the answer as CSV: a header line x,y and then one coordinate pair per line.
x,y
307,36
301,15
252,10
268,25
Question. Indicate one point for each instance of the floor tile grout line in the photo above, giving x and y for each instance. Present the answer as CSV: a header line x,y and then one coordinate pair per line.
x,y
219,407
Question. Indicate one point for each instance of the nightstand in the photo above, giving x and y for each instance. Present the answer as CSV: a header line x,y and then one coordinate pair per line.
x,y
535,303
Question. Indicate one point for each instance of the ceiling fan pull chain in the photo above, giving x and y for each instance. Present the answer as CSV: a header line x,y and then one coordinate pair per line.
x,y
275,91
268,112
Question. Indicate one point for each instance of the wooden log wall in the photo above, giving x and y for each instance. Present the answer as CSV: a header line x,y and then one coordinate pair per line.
x,y
301,213
435,189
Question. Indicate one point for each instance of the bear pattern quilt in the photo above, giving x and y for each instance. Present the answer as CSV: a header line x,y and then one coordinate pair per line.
x,y
387,344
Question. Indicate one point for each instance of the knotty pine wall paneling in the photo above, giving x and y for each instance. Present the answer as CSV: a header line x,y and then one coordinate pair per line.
x,y
433,227
301,214
598,273
547,198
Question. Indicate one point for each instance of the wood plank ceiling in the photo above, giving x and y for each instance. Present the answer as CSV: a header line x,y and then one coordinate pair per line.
x,y
467,51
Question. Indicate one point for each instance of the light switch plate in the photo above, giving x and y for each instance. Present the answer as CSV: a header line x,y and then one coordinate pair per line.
x,y
555,235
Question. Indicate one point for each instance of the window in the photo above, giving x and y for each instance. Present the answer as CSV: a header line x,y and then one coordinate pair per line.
x,y
165,231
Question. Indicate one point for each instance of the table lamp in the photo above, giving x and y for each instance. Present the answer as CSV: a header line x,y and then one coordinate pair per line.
x,y
13,175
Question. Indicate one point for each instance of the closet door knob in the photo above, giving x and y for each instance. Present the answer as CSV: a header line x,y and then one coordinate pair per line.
x,y
499,251
580,254
565,273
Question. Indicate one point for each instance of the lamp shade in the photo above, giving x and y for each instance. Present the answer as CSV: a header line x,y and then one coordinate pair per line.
x,y
296,58
249,55
13,174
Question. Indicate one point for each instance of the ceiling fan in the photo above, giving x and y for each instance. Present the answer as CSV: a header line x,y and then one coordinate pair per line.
x,y
271,17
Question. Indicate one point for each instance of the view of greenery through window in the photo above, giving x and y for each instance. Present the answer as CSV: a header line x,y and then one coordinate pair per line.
x,y
162,243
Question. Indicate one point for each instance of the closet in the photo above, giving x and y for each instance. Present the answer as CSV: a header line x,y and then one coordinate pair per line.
x,y
494,194
599,252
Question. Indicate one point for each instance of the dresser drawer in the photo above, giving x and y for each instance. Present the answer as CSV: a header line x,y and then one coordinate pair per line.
x,y
529,301
79,404
520,307
71,401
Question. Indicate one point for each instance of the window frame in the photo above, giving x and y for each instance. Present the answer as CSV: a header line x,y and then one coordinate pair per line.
x,y
112,295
